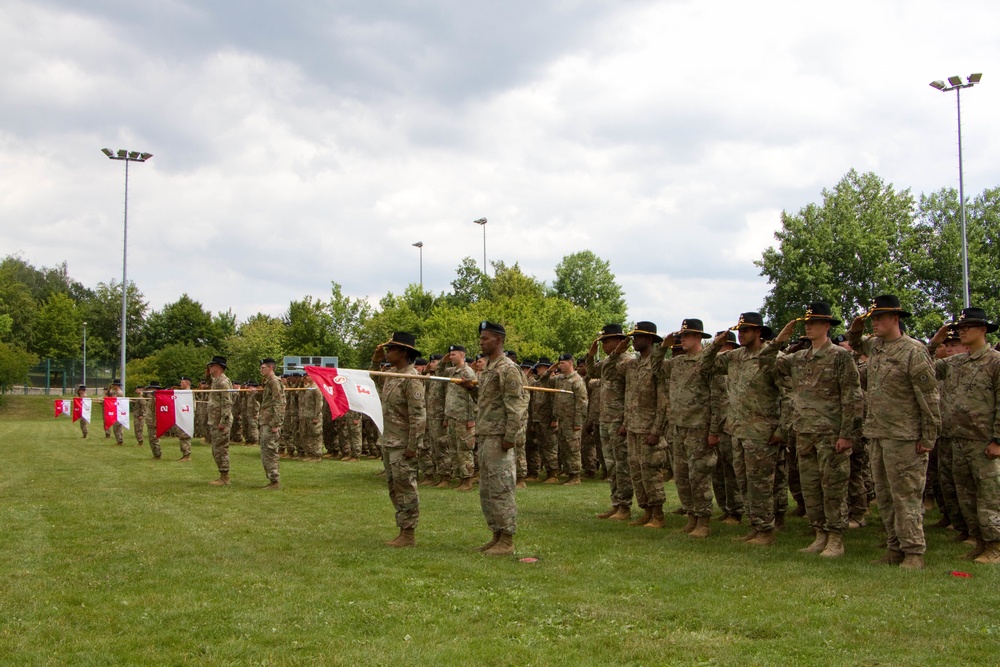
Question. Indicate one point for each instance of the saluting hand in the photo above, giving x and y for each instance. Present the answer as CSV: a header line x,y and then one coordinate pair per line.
x,y
379,355
669,340
941,335
592,352
858,325
786,332
623,345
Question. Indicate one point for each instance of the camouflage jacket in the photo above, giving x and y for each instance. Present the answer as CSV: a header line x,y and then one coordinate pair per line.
x,y
220,403
458,404
754,396
720,406
570,408
501,399
642,393
435,392
972,391
689,378
612,390
137,408
149,409
902,390
311,404
541,401
593,402
292,406
404,412
825,389
272,403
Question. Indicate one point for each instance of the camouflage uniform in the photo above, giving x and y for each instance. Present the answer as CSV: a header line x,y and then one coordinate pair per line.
x,y
541,415
349,433
201,415
310,413
827,396
590,451
972,381
569,411
459,410
331,436
149,417
727,489
251,416
236,431
435,459
754,416
611,418
271,415
945,456
902,410
117,428
642,418
404,420
137,408
293,443
537,429
220,414
860,489
501,401
689,377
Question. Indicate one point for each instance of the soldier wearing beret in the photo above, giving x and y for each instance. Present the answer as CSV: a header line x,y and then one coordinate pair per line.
x,y
902,426
220,417
569,412
460,422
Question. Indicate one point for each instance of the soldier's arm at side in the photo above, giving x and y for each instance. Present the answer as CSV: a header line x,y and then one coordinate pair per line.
x,y
416,408
925,389
511,390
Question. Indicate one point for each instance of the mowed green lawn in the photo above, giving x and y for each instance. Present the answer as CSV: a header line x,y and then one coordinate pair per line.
x,y
109,557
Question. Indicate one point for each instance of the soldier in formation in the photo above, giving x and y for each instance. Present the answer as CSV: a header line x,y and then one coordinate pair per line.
x,y
220,417
271,417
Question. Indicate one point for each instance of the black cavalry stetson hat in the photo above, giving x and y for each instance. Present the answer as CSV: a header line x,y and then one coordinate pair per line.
x,y
976,317
403,339
645,329
693,325
820,311
731,338
154,385
544,361
612,331
217,360
887,303
753,320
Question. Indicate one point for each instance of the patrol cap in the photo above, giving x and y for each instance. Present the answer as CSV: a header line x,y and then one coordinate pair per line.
x,y
492,326
456,348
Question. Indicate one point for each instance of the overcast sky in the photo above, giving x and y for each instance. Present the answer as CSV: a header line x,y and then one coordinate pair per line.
x,y
303,141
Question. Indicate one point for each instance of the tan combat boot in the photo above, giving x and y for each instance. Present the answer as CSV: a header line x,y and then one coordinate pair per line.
x,y
503,547
657,520
553,478
466,484
222,481
607,515
647,514
732,520
272,486
691,524
913,562
890,557
763,538
404,539
701,529
186,457
977,550
622,513
749,536
520,484
484,547
574,480
818,544
834,546
427,481
444,483
991,556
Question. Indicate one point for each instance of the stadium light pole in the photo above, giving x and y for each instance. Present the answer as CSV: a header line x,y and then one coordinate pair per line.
x,y
420,246
482,223
84,382
126,157
955,83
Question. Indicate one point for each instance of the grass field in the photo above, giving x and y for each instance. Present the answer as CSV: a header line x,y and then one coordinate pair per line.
x,y
109,557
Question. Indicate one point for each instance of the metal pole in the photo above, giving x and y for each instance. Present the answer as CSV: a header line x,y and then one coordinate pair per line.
x,y
484,248
84,381
121,358
421,248
961,199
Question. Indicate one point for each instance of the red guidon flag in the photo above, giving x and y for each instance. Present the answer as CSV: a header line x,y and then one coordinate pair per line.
x,y
115,411
174,406
347,389
81,408
64,406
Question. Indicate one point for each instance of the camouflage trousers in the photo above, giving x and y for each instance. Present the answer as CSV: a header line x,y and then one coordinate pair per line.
x,y
570,444
859,487
154,440
532,450
977,483
349,436
824,474
787,476
268,441
119,432
461,444
521,458
401,478
724,484
616,459
755,463
549,448
946,480
84,430
311,437
497,479
590,445
138,427
899,474
645,465
185,440
429,456
694,461
220,447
